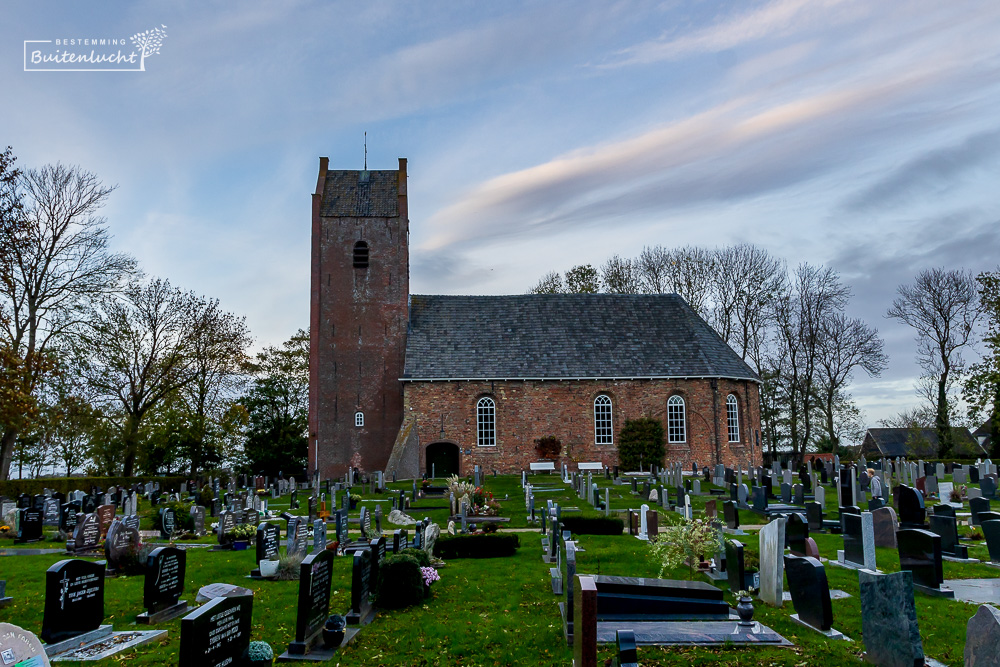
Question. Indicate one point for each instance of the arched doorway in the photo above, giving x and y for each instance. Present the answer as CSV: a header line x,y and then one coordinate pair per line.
x,y
442,459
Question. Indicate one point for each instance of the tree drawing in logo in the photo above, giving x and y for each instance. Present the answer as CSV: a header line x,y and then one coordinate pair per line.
x,y
148,42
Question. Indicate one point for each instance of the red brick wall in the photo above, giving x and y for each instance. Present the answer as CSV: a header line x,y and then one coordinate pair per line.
x,y
358,336
565,409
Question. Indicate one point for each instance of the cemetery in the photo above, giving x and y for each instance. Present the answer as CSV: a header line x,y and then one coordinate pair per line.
x,y
670,566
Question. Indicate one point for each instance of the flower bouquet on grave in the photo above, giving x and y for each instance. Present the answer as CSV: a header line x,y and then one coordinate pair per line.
x,y
482,503
429,575
241,534
259,653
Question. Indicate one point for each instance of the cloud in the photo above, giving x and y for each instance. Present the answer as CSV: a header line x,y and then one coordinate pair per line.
x,y
739,149
928,174
778,18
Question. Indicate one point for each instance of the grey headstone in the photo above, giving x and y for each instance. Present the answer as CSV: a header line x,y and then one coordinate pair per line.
x,y
889,619
982,638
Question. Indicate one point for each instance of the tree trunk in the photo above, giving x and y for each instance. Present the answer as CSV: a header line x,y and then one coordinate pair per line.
x,y
7,452
941,419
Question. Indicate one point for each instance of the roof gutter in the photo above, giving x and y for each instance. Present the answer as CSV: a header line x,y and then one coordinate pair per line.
x,y
578,378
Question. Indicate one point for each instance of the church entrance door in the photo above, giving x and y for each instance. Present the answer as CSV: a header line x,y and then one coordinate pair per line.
x,y
442,459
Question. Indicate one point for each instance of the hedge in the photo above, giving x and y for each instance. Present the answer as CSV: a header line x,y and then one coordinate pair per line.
x,y
15,487
477,546
593,525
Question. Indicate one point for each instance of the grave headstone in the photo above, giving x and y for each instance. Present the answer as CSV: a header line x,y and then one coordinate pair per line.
x,y
889,619
74,599
315,578
217,634
772,549
361,588
884,526
164,585
911,508
29,525
859,541
810,592
267,542
982,637
920,553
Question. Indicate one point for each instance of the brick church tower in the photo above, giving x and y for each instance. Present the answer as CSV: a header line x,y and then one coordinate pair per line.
x,y
358,317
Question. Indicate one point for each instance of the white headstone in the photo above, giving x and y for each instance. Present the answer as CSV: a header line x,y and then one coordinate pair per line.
x,y
772,562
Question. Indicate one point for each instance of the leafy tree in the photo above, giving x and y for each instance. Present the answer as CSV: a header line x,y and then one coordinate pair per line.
x,y
982,386
550,283
277,408
136,352
943,307
641,442
55,262
583,279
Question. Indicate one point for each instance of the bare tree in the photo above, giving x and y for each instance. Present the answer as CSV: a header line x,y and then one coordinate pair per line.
x,y
620,275
814,294
551,283
943,306
685,271
845,344
60,263
136,350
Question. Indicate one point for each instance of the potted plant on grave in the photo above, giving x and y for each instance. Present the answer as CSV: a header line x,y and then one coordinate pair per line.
x,y
259,653
354,499
334,630
684,544
241,535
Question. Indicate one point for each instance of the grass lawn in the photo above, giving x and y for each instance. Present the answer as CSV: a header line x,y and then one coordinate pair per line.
x,y
498,611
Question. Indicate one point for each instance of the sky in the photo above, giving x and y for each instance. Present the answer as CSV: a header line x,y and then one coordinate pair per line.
x,y
857,134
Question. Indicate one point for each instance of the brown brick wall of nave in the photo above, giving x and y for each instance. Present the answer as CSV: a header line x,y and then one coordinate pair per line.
x,y
527,410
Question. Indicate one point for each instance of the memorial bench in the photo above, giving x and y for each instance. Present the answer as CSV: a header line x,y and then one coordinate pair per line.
x,y
547,466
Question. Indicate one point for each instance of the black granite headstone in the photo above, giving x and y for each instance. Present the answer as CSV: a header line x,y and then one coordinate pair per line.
x,y
86,535
164,580
796,532
315,576
920,553
74,599
911,509
977,506
947,528
361,588
810,591
731,515
218,633
814,514
29,525
268,541
990,524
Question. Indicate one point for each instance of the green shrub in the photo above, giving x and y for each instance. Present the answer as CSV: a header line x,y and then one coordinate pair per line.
x,y
400,582
640,442
477,546
182,516
593,525
422,557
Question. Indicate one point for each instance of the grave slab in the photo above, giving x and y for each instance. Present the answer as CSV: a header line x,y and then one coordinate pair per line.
x,y
101,645
694,633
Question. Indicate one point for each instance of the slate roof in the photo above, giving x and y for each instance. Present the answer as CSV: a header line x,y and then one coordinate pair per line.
x,y
550,336
893,442
361,194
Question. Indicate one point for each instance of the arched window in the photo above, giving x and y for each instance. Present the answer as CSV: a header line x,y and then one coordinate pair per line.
x,y
359,419
486,422
603,434
676,430
733,418
360,255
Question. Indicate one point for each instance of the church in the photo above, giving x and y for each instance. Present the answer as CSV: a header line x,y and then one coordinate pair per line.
x,y
410,384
